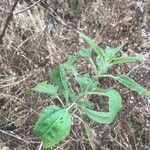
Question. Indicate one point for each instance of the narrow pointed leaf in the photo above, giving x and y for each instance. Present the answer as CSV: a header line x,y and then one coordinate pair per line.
x,y
60,78
70,68
44,87
103,66
131,84
114,107
114,102
85,53
72,59
64,78
55,75
70,65
53,126
110,53
118,48
128,59
99,51
100,117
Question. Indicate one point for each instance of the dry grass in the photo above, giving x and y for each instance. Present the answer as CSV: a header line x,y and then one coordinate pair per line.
x,y
36,40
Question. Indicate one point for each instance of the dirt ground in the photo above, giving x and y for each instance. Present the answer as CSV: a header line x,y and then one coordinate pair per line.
x,y
39,38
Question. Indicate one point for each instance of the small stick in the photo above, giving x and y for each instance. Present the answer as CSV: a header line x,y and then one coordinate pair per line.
x,y
40,147
9,17
27,8
15,136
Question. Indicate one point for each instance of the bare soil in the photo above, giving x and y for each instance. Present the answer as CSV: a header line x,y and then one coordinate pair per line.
x,y
42,37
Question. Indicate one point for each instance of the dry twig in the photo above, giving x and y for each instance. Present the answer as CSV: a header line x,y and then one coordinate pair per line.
x,y
9,17
27,8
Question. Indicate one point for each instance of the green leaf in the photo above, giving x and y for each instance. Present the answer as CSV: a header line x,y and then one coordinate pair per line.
x,y
28,92
70,69
72,95
128,59
72,59
99,51
53,125
118,48
114,102
85,53
110,53
86,83
46,112
131,84
60,78
70,65
55,75
64,78
44,87
85,104
100,117
102,66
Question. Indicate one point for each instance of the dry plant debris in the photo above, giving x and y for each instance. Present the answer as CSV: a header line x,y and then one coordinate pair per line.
x,y
42,37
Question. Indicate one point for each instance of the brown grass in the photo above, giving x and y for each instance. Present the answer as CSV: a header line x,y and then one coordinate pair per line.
x,y
40,38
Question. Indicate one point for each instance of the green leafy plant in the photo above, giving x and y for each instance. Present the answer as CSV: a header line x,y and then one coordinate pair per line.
x,y
55,122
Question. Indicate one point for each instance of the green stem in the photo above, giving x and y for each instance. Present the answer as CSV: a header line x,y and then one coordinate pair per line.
x,y
95,93
110,76
93,64
60,100
71,105
78,118
90,93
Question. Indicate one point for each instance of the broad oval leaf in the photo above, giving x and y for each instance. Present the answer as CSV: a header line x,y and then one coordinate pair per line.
x,y
114,103
131,84
44,87
46,113
53,125
99,51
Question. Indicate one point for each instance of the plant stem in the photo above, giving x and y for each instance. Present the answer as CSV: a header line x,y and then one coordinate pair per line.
x,y
71,105
93,64
110,76
60,100
78,118
95,93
